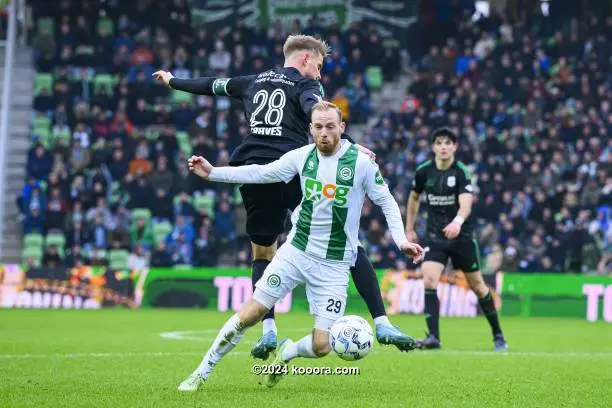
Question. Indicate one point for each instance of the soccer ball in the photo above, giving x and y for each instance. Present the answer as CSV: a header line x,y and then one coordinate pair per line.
x,y
351,338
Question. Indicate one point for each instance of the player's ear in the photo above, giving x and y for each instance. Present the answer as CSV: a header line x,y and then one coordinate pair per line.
x,y
342,126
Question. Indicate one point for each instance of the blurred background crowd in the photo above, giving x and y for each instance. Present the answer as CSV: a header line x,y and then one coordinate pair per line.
x,y
528,95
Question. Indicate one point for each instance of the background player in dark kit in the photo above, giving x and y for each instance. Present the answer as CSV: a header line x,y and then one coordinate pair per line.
x,y
449,234
277,105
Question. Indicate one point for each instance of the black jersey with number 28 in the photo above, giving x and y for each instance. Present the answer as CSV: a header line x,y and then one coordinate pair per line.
x,y
277,106
442,189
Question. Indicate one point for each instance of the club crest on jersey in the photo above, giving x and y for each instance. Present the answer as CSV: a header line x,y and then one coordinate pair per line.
x,y
451,181
345,173
310,165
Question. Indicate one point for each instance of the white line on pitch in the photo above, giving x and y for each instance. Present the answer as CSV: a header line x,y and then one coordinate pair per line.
x,y
459,353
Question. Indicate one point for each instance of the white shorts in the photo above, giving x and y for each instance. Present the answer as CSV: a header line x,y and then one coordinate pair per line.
x,y
326,283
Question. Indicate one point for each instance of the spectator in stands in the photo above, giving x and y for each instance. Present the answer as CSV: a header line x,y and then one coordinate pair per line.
x,y
160,257
141,233
52,259
39,162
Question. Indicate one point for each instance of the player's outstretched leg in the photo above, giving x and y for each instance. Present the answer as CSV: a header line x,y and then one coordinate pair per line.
x,y
367,285
262,256
315,345
487,304
431,276
230,335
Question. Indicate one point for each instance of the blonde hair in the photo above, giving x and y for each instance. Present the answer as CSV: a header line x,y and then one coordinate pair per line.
x,y
301,42
324,106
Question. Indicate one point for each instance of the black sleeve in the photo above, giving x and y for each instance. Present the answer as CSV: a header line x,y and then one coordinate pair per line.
x,y
347,137
464,180
234,87
311,93
418,184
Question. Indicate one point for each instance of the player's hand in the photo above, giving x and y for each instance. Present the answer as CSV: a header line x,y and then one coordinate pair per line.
x,y
366,151
412,236
163,76
199,166
452,230
414,251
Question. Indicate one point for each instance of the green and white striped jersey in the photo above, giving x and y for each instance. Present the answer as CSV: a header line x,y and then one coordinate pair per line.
x,y
326,223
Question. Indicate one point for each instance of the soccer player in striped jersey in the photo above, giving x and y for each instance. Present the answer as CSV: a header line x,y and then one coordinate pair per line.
x,y
277,104
322,245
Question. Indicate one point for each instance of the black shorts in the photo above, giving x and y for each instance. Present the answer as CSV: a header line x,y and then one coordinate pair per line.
x,y
267,206
463,252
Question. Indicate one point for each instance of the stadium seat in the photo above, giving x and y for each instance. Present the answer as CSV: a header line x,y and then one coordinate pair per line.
x,y
107,80
106,22
178,97
207,202
117,258
33,241
161,231
43,134
41,121
47,23
58,134
57,239
43,80
138,213
32,252
374,77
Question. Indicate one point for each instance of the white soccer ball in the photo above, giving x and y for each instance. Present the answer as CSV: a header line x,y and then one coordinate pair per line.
x,y
351,338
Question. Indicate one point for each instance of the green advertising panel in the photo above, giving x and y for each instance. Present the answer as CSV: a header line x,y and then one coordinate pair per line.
x,y
581,296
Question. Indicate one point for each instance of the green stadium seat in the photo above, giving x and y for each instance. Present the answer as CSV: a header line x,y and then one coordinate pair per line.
x,y
117,258
374,77
161,231
207,202
138,213
41,121
43,80
58,134
32,252
107,80
107,23
178,97
33,240
57,239
47,23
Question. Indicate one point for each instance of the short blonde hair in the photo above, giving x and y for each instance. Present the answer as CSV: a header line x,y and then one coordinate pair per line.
x,y
301,42
324,106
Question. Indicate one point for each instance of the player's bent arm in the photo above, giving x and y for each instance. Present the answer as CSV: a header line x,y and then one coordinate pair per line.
x,y
379,193
412,209
283,169
212,86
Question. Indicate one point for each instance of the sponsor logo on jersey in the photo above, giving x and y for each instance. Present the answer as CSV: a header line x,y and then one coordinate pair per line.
x,y
438,200
314,190
267,131
451,181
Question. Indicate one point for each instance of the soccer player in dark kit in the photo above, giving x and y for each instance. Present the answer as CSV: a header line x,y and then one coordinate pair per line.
x,y
278,104
447,186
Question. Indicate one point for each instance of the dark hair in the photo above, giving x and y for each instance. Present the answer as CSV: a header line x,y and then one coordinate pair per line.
x,y
443,132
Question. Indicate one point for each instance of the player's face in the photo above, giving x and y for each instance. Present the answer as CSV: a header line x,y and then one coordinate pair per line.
x,y
313,64
444,148
326,128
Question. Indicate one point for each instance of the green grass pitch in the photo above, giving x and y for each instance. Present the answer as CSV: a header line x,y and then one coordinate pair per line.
x,y
136,358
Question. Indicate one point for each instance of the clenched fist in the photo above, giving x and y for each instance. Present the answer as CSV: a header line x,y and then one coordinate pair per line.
x,y
199,166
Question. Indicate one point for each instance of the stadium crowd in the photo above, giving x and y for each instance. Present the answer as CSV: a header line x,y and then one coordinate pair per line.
x,y
107,177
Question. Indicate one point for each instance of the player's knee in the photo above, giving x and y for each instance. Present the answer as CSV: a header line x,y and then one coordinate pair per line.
x,y
480,289
430,282
251,313
263,248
